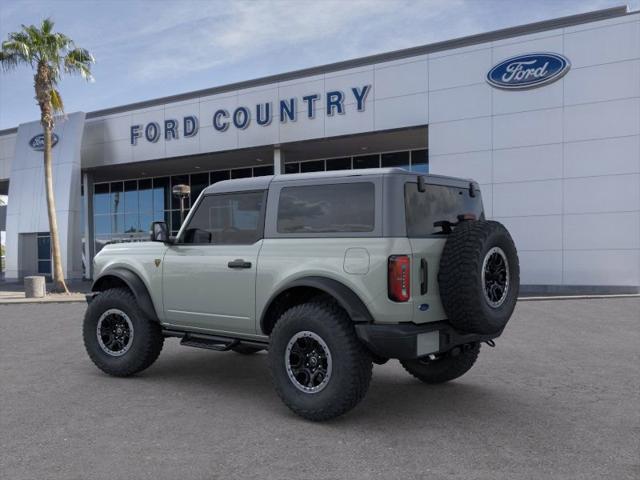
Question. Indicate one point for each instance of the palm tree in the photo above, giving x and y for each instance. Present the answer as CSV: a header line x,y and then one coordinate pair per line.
x,y
50,55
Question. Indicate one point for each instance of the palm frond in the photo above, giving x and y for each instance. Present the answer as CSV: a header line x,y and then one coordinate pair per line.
x,y
56,101
79,61
19,47
47,26
9,61
34,34
63,42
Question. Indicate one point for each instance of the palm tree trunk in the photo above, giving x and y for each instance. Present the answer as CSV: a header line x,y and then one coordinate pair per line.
x,y
59,284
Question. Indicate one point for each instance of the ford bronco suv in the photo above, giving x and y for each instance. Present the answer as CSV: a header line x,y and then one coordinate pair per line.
x,y
330,272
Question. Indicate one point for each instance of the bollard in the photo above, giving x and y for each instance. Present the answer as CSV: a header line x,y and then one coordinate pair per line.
x,y
34,287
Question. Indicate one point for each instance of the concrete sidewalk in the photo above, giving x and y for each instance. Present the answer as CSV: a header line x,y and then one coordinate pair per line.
x,y
11,292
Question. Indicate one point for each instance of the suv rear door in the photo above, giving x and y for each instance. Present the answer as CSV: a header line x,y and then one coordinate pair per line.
x,y
209,274
439,202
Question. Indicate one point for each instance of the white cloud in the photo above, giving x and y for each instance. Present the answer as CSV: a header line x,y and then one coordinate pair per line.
x,y
185,39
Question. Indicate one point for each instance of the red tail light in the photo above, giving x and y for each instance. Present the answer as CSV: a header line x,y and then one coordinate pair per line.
x,y
399,278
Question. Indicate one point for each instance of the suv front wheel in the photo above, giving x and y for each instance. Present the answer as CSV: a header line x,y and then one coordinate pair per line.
x,y
319,368
119,338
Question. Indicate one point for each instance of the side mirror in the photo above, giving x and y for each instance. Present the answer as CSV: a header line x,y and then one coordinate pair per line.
x,y
159,232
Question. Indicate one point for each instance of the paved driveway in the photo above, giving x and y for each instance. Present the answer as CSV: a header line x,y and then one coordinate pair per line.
x,y
558,398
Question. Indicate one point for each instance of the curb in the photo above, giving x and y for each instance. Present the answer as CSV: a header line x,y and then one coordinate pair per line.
x,y
22,301
577,297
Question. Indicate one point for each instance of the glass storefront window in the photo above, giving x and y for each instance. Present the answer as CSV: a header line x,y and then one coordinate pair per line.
x,y
199,181
291,168
101,198
420,161
219,176
131,223
241,173
161,216
396,159
117,198
366,161
117,223
161,194
262,171
339,164
102,224
145,195
131,203
313,166
146,219
176,221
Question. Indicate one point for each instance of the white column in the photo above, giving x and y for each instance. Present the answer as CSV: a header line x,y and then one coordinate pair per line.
x,y
87,184
278,161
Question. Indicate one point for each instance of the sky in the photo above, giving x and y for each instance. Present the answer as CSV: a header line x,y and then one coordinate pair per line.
x,y
150,49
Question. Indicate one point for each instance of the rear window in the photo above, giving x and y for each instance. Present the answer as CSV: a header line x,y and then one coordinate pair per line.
x,y
435,204
345,207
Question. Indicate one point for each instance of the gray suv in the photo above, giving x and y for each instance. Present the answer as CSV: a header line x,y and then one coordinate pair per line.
x,y
330,272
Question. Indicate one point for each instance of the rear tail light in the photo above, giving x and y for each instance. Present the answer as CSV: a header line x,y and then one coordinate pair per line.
x,y
399,278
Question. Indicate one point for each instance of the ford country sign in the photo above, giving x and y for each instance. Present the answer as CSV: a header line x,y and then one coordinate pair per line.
x,y
528,71
37,142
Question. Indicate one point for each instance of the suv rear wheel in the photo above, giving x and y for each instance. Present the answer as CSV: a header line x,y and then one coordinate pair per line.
x,y
444,368
119,338
319,368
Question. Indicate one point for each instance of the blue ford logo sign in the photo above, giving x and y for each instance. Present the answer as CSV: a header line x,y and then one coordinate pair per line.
x,y
528,71
37,142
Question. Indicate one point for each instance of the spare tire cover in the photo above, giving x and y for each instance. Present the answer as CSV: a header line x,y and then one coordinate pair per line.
x,y
479,277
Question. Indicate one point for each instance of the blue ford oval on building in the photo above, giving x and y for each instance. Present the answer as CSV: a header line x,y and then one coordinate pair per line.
x,y
528,71
37,141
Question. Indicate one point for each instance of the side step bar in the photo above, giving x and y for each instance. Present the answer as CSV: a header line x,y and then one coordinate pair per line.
x,y
210,342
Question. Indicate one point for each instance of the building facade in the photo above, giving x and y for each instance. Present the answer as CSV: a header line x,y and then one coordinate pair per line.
x,y
545,116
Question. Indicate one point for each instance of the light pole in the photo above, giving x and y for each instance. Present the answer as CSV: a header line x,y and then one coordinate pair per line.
x,y
182,192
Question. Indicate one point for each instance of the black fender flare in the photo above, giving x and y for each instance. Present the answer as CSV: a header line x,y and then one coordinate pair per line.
x,y
346,298
135,284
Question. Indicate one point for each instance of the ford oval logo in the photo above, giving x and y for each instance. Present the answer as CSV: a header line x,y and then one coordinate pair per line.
x,y
528,71
37,142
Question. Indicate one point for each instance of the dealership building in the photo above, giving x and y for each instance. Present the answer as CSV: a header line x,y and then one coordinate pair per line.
x,y
544,116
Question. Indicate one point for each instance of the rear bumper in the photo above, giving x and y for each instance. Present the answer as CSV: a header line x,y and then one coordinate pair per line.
x,y
407,341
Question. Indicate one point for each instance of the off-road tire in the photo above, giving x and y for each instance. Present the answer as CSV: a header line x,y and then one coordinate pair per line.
x,y
352,364
147,334
460,277
444,369
246,349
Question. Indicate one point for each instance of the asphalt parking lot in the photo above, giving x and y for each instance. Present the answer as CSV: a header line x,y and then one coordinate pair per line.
x,y
557,398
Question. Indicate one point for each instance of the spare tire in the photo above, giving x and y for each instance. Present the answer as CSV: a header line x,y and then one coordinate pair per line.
x,y
479,277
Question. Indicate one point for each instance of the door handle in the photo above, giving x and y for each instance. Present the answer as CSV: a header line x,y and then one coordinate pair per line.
x,y
239,263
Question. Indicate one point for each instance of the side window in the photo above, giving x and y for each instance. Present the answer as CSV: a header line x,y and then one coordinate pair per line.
x,y
343,207
227,219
